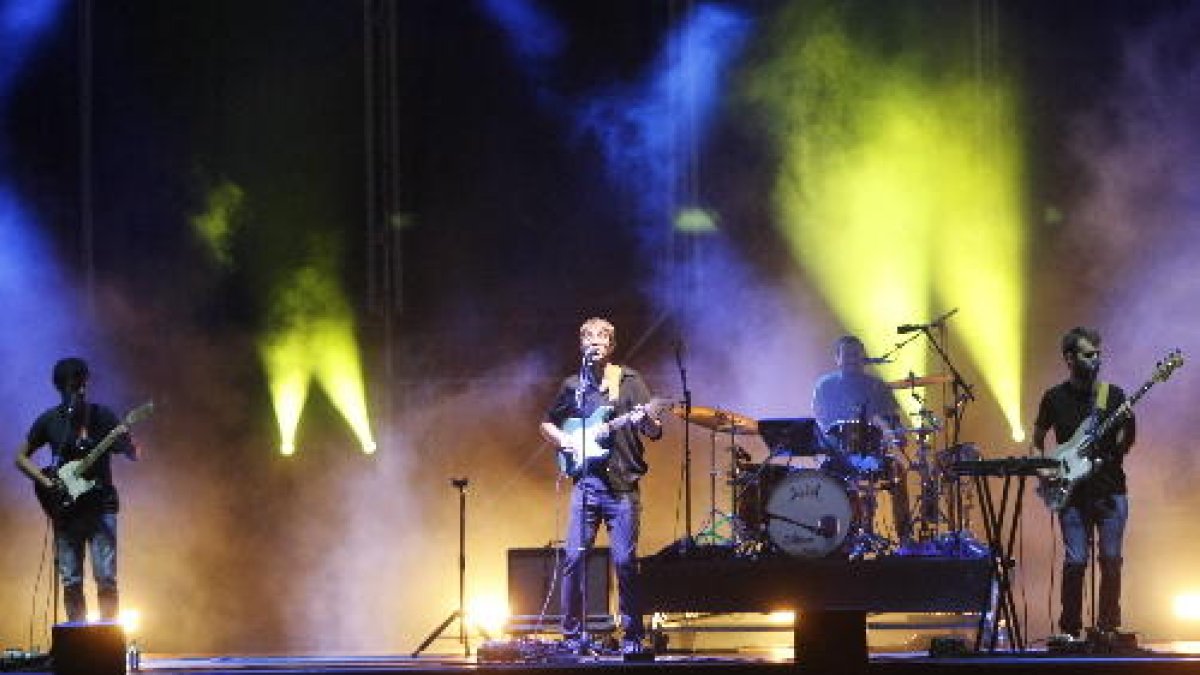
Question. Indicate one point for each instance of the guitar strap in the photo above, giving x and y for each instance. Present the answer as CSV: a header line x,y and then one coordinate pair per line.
x,y
1101,400
611,382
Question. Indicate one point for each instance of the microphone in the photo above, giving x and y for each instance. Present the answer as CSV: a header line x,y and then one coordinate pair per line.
x,y
914,327
877,360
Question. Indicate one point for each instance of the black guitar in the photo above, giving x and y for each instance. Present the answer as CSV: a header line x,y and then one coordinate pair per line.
x,y
72,486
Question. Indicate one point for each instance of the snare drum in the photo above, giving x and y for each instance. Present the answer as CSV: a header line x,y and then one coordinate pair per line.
x,y
808,514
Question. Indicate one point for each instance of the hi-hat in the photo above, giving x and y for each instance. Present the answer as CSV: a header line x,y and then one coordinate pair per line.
x,y
914,380
722,421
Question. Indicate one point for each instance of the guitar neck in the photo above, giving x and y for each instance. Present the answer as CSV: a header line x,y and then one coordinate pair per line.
x,y
101,447
1122,412
625,418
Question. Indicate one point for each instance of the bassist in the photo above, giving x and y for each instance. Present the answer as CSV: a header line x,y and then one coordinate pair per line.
x,y
69,430
606,488
1099,505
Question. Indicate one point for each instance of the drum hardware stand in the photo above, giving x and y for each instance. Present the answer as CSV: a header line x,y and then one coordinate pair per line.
x,y
716,518
864,541
459,614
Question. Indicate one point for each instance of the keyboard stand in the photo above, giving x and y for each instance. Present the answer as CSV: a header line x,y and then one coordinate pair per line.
x,y
999,522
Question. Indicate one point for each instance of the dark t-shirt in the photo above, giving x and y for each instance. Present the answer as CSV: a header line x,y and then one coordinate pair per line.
x,y
55,429
626,461
1064,407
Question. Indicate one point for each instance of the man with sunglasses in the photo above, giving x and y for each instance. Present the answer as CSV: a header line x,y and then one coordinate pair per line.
x,y
1098,506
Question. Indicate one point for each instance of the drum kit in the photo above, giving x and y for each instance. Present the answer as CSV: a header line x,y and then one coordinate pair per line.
x,y
817,492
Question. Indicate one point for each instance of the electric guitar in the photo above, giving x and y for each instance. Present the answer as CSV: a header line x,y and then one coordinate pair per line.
x,y
71,484
1076,459
589,436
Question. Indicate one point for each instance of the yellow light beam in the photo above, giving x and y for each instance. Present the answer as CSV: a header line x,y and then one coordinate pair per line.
x,y
899,185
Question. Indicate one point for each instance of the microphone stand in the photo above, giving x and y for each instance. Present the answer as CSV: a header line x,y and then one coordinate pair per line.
x,y
686,542
459,614
586,379
962,395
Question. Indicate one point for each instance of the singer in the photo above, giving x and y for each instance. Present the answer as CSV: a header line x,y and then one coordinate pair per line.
x,y
1100,503
70,429
606,489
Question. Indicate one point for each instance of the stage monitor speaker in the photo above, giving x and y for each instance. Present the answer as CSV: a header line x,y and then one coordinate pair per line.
x,y
533,576
88,648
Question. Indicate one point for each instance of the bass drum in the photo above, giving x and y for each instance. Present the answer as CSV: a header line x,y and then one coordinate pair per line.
x,y
808,514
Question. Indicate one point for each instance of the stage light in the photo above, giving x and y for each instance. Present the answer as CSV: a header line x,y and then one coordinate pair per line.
x,y
1187,606
782,617
487,613
130,620
288,381
313,338
695,221
339,372
898,190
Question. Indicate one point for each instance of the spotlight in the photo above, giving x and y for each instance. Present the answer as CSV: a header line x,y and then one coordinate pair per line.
x,y
130,620
369,447
488,614
1187,606
782,617
287,448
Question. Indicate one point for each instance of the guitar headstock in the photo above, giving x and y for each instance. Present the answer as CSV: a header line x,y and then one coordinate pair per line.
x,y
1170,363
139,413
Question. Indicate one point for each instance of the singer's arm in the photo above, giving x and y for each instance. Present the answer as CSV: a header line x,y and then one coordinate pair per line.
x,y
27,467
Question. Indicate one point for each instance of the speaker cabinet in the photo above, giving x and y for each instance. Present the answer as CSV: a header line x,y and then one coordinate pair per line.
x,y
535,580
88,648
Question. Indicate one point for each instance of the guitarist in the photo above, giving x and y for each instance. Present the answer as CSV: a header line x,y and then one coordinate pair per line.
x,y
1099,504
69,430
606,489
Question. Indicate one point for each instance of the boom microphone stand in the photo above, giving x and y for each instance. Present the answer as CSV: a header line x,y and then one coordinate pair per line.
x,y
686,542
460,614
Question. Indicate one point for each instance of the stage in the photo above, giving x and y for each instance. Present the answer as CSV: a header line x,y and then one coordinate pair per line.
x,y
1154,661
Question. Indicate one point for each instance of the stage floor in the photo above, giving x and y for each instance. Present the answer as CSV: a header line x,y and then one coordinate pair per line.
x,y
1152,660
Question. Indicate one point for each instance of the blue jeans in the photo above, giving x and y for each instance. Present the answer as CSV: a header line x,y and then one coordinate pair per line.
x,y
73,537
1106,517
622,512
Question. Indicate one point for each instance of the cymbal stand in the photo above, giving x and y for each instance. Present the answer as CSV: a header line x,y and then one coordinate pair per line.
x,y
709,534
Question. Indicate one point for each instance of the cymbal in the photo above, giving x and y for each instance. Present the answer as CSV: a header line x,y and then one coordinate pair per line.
x,y
920,381
722,421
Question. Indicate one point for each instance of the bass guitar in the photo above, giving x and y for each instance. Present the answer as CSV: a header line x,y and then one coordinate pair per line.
x,y
71,483
589,436
1076,459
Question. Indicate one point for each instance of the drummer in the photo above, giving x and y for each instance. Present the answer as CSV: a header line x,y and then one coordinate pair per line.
x,y
860,421
849,396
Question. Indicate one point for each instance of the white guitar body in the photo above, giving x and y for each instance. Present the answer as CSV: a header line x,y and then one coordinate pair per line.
x,y
74,484
1073,465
